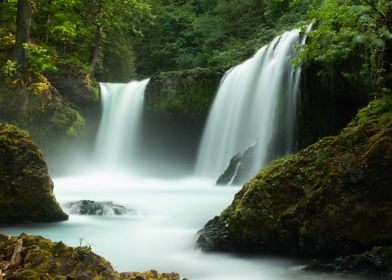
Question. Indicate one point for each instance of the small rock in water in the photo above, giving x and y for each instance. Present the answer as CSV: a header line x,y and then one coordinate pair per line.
x,y
99,208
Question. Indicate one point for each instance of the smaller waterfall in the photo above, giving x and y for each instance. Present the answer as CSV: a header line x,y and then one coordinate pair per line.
x,y
255,106
119,130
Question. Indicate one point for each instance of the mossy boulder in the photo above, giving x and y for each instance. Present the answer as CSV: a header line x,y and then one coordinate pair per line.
x,y
34,257
183,94
26,190
78,87
41,258
333,198
39,108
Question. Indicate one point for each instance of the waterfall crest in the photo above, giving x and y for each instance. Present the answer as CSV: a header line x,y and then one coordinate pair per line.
x,y
255,106
119,130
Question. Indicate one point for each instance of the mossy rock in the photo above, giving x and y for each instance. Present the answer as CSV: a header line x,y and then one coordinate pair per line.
x,y
183,94
78,87
26,190
39,108
333,198
40,258
44,259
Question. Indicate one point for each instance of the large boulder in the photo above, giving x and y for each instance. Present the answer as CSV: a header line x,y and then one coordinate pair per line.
x,y
26,190
34,257
333,198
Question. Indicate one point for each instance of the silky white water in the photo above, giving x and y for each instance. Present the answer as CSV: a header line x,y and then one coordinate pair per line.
x,y
162,233
119,131
251,99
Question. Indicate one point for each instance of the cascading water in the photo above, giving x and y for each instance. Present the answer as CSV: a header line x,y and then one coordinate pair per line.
x,y
255,103
118,134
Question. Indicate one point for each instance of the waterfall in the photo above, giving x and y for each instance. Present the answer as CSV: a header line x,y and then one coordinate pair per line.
x,y
255,106
119,130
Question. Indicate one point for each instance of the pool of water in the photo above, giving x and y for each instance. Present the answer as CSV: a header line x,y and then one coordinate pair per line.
x,y
161,231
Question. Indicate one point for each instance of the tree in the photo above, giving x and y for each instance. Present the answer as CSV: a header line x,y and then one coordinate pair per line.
x,y
23,26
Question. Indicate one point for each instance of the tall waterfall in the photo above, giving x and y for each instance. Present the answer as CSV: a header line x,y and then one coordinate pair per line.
x,y
118,134
255,106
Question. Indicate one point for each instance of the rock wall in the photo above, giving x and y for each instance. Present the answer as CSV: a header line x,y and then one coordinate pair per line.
x,y
176,108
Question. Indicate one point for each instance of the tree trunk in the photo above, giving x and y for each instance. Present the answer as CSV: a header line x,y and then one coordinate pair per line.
x,y
98,38
48,20
23,26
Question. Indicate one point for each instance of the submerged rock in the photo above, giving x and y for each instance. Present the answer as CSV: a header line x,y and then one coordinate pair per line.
x,y
333,198
26,190
34,257
89,207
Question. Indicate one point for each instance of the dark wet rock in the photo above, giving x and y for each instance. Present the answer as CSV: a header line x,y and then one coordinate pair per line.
x,y
214,236
374,263
240,168
26,190
334,198
99,208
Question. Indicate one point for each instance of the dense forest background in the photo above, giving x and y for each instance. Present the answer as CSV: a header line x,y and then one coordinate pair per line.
x,y
118,40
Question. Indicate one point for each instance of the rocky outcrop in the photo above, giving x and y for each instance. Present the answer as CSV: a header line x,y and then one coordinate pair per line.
x,y
331,199
40,258
34,257
183,94
176,107
77,87
99,208
39,108
26,190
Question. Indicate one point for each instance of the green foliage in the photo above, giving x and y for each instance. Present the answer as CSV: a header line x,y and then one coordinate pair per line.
x,y
10,68
38,59
205,33
357,31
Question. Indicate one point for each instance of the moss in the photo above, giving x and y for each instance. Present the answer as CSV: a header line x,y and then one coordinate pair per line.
x,y
26,190
332,198
183,94
39,108
44,259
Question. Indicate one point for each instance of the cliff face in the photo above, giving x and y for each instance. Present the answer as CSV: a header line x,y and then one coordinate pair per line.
x,y
26,190
319,202
176,108
183,94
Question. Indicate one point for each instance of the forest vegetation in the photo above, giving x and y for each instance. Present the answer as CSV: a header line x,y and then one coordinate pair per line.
x,y
53,53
